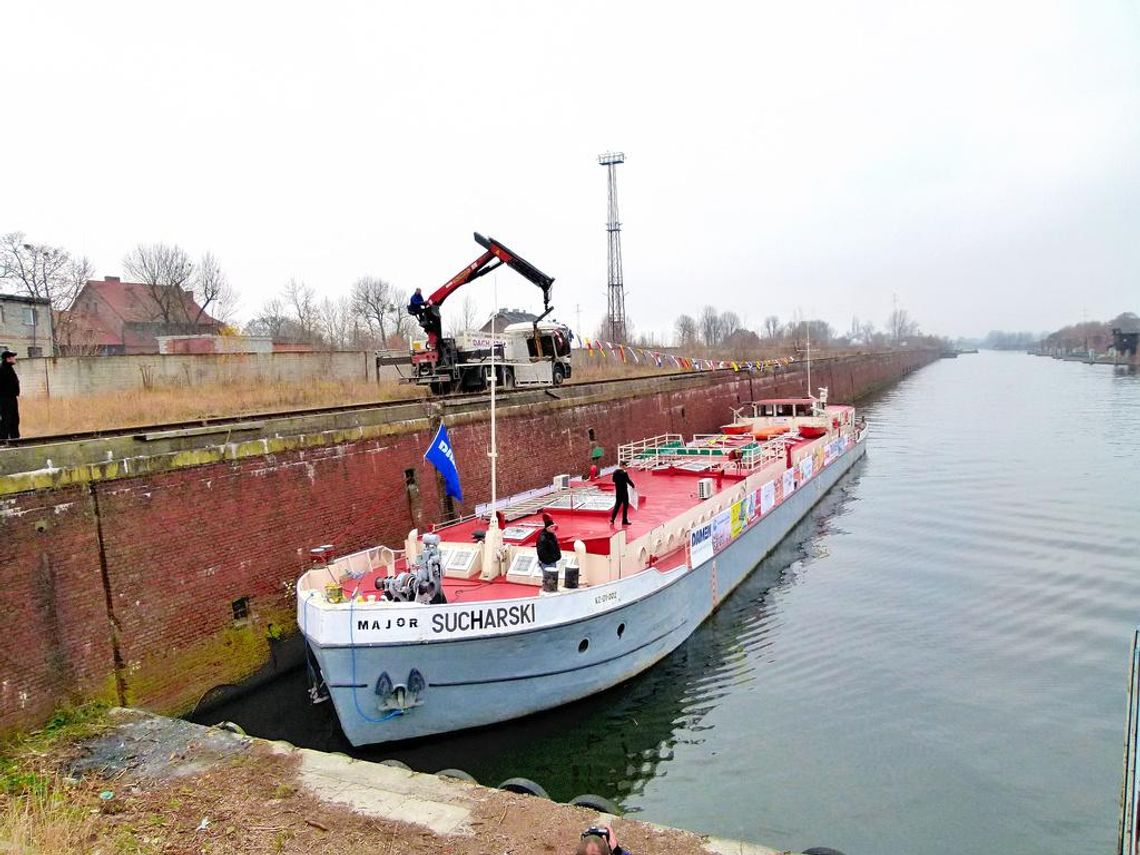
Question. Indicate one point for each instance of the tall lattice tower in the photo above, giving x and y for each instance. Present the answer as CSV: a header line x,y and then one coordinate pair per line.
x,y
615,289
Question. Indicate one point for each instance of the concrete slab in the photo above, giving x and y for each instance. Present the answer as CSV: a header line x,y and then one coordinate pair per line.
x,y
387,792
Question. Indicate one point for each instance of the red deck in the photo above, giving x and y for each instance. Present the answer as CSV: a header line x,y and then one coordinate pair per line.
x,y
663,495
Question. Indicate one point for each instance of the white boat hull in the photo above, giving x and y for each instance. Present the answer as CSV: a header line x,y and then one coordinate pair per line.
x,y
485,663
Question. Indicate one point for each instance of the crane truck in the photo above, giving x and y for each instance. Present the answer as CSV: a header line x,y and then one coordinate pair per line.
x,y
535,353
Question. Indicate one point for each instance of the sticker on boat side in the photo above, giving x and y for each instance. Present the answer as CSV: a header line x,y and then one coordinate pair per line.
x,y
701,544
500,617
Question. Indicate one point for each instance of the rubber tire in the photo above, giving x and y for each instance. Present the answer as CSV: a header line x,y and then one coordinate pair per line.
x,y
822,850
524,786
396,764
559,375
596,802
456,774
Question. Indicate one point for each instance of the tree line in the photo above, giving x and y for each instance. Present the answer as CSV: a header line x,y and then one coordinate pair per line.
x,y
371,315
726,332
1094,336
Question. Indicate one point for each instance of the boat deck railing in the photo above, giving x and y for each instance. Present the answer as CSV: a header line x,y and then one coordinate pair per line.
x,y
651,447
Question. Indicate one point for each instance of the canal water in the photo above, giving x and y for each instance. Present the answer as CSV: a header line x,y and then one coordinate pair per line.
x,y
933,662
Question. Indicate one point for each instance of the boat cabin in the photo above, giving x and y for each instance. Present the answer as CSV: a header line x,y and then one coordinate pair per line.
x,y
783,407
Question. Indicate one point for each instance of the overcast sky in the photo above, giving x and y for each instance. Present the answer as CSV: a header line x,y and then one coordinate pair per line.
x,y
979,160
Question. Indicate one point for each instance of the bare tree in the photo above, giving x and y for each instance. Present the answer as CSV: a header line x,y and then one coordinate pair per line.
x,y
301,302
729,323
685,330
335,321
44,272
900,326
464,319
404,325
65,333
373,301
272,320
213,289
709,323
168,274
772,327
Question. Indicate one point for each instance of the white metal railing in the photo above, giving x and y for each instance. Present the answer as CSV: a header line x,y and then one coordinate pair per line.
x,y
1128,795
632,450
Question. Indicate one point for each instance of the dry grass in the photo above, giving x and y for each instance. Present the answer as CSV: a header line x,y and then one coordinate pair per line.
x,y
173,404
47,821
137,407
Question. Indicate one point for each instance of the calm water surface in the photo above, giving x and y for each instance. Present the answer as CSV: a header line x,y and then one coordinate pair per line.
x,y
933,663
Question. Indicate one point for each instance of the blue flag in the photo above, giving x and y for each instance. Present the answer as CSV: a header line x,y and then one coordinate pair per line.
x,y
441,456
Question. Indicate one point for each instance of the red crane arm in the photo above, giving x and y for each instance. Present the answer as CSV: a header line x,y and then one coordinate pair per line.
x,y
471,271
495,255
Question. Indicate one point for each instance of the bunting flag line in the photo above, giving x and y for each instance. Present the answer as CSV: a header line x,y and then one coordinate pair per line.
x,y
599,349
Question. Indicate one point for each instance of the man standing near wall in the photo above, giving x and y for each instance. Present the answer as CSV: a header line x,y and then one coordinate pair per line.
x,y
9,397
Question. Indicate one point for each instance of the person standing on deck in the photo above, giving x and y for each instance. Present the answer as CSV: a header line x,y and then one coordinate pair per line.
x,y
549,552
622,483
9,397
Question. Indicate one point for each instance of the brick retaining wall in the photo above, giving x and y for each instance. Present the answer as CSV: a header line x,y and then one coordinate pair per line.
x,y
125,588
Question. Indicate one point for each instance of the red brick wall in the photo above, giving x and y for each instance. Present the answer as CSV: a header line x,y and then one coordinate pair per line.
x,y
53,615
182,545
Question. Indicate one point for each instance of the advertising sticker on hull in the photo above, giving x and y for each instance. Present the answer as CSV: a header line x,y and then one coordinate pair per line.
x,y
701,544
789,482
767,497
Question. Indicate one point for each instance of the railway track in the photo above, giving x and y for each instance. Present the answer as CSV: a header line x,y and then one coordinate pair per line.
x,y
210,425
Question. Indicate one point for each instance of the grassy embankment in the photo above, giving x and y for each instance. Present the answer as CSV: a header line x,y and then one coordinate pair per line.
x,y
174,404
166,405
40,810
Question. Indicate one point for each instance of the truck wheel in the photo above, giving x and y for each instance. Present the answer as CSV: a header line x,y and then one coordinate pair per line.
x,y
559,375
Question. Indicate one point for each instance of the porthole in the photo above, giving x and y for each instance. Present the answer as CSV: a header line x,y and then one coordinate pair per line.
x,y
583,645
621,630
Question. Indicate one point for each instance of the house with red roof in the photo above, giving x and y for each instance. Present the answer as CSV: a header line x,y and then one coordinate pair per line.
x,y
111,317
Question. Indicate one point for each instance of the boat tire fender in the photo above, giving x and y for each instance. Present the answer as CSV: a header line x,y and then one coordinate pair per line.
x,y
525,786
457,774
596,802
396,764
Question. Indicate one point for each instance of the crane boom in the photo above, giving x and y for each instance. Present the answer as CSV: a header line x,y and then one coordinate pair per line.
x,y
496,255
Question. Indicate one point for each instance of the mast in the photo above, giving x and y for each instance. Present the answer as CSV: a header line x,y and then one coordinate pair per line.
x,y
808,327
494,452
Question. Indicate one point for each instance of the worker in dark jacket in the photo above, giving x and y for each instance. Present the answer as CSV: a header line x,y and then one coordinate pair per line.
x,y
416,304
9,397
549,552
622,483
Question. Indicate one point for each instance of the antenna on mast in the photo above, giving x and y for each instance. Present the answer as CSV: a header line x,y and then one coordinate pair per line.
x,y
615,289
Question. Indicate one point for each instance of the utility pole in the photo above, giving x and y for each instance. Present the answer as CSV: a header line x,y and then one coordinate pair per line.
x,y
615,288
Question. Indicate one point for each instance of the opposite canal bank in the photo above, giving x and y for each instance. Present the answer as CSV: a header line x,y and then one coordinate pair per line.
x,y
148,569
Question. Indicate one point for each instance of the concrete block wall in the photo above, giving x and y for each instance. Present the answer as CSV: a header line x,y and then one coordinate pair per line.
x,y
126,587
70,376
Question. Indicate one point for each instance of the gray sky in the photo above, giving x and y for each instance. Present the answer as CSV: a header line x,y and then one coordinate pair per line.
x,y
977,159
